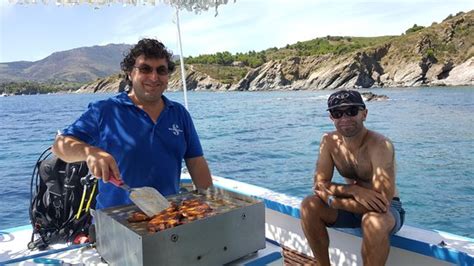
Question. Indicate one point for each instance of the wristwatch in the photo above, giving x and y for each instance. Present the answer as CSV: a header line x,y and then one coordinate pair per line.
x,y
330,200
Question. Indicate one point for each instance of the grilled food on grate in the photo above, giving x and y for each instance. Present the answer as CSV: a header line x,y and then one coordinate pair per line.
x,y
178,213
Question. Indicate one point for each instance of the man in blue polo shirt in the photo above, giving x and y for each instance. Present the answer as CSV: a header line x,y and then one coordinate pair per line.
x,y
141,136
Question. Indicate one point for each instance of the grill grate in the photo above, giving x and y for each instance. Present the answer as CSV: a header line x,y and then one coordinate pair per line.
x,y
219,202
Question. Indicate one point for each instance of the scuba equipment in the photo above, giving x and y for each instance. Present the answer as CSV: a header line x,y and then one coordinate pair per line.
x,y
62,195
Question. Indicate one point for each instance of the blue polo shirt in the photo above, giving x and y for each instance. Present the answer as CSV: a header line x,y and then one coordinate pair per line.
x,y
147,153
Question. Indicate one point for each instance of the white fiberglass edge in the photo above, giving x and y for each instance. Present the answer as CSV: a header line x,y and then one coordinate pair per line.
x,y
410,244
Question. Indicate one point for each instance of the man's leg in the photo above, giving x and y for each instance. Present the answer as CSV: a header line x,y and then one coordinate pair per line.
x,y
315,214
376,229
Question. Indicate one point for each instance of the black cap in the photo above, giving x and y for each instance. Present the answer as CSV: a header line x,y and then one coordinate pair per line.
x,y
345,98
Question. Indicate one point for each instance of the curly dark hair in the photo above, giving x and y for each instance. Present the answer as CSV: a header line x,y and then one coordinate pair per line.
x,y
150,48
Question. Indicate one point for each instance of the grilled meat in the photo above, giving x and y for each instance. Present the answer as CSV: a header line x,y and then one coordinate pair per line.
x,y
177,214
137,217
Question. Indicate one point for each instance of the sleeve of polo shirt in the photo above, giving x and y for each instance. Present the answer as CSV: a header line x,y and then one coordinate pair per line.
x,y
85,128
194,148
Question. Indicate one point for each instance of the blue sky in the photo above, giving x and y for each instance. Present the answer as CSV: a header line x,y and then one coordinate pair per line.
x,y
32,32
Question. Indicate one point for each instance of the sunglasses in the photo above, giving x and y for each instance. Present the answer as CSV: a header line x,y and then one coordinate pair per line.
x,y
352,111
146,69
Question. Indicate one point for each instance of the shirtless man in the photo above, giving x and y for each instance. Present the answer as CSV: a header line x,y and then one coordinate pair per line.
x,y
369,200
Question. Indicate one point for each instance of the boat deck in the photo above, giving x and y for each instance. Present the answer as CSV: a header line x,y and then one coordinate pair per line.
x,y
410,246
13,251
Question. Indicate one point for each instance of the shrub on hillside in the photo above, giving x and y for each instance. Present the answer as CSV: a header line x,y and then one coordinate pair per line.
x,y
415,28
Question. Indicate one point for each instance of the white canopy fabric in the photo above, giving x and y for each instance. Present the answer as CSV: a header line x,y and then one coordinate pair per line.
x,y
190,5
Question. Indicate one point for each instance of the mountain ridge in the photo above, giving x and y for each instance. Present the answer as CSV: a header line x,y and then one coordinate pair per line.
x,y
83,64
439,55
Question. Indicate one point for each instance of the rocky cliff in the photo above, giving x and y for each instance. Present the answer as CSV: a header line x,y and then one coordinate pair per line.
x,y
442,54
110,84
439,55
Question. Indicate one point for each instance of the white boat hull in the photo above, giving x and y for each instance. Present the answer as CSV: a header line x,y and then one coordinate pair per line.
x,y
410,246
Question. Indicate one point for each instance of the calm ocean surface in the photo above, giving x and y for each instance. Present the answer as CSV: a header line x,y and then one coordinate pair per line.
x,y
271,139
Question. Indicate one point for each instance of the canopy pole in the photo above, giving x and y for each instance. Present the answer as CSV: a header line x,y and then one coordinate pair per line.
x,y
183,72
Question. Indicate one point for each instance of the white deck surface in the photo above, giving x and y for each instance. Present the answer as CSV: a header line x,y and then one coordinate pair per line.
x,y
13,246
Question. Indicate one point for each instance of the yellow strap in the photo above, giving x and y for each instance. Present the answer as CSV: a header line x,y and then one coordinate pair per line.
x,y
90,197
82,202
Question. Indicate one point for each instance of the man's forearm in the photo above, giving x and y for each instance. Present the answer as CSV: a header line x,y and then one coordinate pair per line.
x,y
348,204
199,171
356,199
344,197
342,190
70,149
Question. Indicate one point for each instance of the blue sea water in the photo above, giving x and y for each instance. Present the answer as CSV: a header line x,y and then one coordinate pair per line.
x,y
271,139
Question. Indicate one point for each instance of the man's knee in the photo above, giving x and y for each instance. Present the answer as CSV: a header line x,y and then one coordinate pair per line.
x,y
377,223
311,204
313,208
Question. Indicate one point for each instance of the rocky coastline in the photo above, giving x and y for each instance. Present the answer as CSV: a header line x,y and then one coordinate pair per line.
x,y
362,71
439,55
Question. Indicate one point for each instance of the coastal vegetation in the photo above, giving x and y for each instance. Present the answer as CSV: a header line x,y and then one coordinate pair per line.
x,y
441,54
415,28
337,45
250,59
32,87
226,74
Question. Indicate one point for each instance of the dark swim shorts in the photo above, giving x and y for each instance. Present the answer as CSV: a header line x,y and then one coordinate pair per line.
x,y
347,219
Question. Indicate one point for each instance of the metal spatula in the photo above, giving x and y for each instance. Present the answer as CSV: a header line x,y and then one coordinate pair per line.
x,y
148,199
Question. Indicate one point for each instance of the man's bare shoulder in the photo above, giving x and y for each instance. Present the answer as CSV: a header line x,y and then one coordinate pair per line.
x,y
379,142
331,138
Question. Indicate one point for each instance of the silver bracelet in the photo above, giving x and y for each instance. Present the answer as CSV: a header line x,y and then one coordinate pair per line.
x,y
330,200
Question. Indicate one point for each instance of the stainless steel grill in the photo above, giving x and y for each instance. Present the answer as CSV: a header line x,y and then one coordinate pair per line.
x,y
236,229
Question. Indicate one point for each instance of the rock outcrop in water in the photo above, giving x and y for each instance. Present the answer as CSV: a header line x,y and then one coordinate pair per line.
x,y
371,97
109,84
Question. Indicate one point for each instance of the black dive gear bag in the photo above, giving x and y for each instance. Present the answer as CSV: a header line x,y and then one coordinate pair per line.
x,y
62,195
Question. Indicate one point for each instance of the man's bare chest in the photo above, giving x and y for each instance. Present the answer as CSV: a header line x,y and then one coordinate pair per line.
x,y
355,166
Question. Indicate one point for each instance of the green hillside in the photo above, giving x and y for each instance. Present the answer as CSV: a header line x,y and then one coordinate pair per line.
x,y
450,40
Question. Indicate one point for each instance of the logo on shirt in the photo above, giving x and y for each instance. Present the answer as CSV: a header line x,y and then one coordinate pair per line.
x,y
175,129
